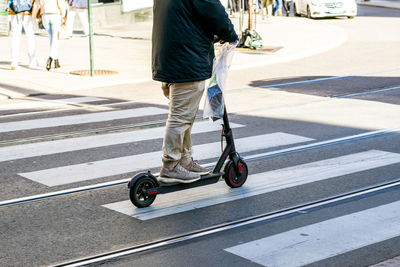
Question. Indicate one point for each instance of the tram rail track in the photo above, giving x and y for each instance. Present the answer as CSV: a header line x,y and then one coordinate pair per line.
x,y
83,132
256,157
176,240
76,107
150,123
85,106
265,217
261,156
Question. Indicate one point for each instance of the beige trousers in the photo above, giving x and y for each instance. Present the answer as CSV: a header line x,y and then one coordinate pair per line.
x,y
183,106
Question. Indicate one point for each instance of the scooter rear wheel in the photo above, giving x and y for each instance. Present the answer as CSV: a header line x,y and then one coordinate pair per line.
x,y
231,179
138,192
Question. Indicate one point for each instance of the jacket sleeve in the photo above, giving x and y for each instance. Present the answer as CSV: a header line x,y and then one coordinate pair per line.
x,y
215,20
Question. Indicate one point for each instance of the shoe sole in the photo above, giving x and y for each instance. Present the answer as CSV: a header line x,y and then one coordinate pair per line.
x,y
167,180
203,173
199,173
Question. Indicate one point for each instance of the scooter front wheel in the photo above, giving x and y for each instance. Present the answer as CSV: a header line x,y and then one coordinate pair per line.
x,y
233,180
139,192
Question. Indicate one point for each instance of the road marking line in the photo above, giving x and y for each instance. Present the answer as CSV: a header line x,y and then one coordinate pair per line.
x,y
29,104
95,141
277,153
115,166
258,184
367,92
329,78
323,240
80,119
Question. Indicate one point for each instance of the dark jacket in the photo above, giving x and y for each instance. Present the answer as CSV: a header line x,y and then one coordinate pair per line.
x,y
183,37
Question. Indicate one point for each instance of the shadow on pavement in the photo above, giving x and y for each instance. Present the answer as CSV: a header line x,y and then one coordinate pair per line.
x,y
382,89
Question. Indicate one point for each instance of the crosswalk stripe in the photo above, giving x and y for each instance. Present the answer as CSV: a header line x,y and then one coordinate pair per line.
x,y
80,119
115,166
258,184
50,103
315,242
87,142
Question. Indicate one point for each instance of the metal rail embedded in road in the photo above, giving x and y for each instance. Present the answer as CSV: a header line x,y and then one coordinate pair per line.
x,y
148,247
152,123
77,107
277,153
84,132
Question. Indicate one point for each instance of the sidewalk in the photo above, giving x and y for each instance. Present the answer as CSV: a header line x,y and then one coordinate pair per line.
x,y
127,50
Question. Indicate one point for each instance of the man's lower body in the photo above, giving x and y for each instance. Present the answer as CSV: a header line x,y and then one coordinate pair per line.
x,y
178,164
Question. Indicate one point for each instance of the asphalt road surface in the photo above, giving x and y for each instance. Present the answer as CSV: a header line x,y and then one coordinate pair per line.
x,y
320,135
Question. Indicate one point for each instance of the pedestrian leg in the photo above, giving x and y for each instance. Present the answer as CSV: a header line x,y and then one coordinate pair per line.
x,y
30,35
16,28
183,106
55,29
286,5
83,16
198,89
70,21
269,7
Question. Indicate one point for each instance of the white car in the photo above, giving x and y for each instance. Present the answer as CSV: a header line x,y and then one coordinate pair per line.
x,y
325,8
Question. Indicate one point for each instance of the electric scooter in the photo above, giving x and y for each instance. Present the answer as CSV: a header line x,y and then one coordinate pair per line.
x,y
144,187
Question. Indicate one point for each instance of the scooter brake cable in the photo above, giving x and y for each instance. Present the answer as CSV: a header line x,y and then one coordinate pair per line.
x,y
222,134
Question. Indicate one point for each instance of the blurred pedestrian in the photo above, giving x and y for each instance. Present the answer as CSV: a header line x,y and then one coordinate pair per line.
x,y
277,7
267,6
52,13
234,6
20,16
79,7
182,59
286,6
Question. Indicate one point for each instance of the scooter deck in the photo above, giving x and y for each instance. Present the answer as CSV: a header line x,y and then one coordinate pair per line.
x,y
204,180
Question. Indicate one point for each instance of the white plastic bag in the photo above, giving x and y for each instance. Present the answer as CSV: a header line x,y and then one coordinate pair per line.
x,y
214,104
